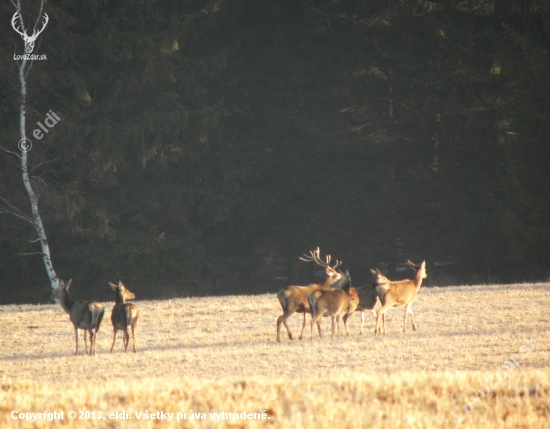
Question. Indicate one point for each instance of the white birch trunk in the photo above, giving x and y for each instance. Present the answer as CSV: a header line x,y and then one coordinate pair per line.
x,y
37,220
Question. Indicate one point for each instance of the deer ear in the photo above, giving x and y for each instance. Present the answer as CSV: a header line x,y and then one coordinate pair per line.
x,y
121,285
68,285
61,284
113,286
373,272
411,264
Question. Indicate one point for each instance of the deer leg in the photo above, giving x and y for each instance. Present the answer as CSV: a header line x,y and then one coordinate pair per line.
x,y
290,337
345,319
282,320
303,326
92,342
114,338
125,338
95,339
405,320
318,322
86,342
409,309
133,338
337,326
381,317
76,335
279,322
362,321
316,319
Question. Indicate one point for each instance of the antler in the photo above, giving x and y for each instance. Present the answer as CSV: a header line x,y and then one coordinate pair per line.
x,y
315,257
14,19
35,33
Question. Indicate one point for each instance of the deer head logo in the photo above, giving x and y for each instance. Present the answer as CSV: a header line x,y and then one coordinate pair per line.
x,y
29,40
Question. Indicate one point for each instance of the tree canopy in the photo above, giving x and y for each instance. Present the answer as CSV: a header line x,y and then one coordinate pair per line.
x,y
203,146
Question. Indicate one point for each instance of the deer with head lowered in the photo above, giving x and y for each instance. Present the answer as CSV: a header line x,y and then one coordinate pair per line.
x,y
124,315
83,315
293,299
366,296
398,294
333,302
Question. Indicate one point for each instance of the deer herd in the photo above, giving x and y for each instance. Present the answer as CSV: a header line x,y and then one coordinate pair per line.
x,y
336,298
87,315
333,298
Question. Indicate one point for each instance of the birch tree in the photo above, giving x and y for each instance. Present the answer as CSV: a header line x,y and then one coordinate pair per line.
x,y
24,66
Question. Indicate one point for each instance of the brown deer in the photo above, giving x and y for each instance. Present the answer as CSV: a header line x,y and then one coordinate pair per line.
x,y
366,298
83,315
293,299
124,315
379,279
333,302
398,294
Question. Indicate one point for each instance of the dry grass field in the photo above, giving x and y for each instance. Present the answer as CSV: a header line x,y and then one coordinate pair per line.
x,y
479,359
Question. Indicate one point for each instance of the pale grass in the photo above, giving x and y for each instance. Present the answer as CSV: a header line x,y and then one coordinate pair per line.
x,y
220,354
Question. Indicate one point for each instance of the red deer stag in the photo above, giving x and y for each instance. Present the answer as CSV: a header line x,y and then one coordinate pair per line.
x,y
124,315
293,299
334,302
83,315
398,294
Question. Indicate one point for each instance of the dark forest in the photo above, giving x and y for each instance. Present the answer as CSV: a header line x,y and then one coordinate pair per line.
x,y
203,146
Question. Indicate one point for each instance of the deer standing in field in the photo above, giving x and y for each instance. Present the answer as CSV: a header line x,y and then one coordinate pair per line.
x,y
366,296
293,299
398,294
334,302
124,315
86,315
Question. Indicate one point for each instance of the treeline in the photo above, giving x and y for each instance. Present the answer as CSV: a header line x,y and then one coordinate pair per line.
x,y
203,146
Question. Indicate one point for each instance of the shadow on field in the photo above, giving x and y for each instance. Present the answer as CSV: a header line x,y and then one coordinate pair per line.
x,y
20,356
328,340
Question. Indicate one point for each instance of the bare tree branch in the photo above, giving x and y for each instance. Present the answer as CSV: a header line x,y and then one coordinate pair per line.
x,y
17,215
44,163
10,152
15,209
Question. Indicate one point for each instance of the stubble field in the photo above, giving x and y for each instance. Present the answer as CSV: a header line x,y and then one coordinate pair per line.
x,y
480,358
